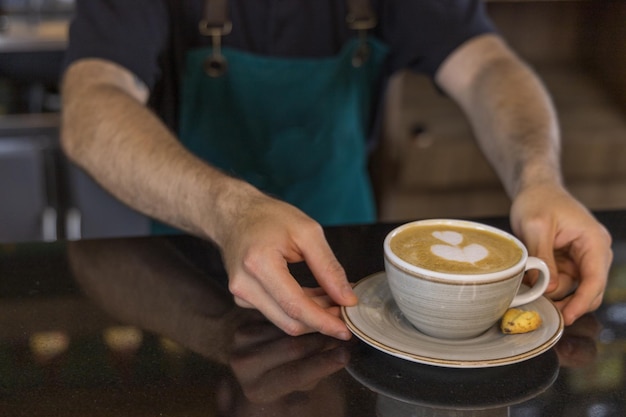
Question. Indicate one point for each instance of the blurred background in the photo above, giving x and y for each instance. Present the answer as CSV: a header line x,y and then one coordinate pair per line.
x,y
429,159
44,197
432,168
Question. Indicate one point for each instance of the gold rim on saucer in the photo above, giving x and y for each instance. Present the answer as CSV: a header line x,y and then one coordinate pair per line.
x,y
377,321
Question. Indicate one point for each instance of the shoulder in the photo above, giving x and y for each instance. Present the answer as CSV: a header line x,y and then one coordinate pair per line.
x,y
130,34
422,33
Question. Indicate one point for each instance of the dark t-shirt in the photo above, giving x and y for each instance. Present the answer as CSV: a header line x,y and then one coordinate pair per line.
x,y
140,34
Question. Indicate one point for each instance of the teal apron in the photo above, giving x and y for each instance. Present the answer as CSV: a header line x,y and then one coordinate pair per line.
x,y
294,128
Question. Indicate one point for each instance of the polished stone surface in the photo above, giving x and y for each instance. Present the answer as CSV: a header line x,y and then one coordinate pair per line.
x,y
146,327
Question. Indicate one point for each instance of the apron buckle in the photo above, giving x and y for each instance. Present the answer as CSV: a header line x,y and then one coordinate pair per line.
x,y
215,65
361,18
208,28
363,22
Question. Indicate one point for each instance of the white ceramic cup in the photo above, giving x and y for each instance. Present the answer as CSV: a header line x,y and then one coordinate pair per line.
x,y
454,305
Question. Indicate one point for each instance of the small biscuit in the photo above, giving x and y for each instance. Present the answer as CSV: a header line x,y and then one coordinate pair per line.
x,y
516,321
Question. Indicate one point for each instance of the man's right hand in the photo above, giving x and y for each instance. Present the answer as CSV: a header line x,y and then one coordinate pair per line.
x,y
267,234
108,131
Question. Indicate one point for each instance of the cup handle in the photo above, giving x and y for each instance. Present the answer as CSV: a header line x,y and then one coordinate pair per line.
x,y
540,286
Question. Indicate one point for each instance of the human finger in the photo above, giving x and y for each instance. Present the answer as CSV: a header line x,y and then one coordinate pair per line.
x,y
587,298
538,237
321,298
317,294
594,257
326,268
265,305
568,278
269,287
567,284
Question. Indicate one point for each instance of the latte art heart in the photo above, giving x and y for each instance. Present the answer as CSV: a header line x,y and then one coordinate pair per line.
x,y
471,253
453,252
449,236
447,247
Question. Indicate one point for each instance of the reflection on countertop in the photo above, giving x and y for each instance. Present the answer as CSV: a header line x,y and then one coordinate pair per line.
x,y
146,326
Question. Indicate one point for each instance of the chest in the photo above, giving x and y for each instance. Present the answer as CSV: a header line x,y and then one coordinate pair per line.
x,y
285,28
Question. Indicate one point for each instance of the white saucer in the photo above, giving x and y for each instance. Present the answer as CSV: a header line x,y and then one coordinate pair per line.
x,y
378,322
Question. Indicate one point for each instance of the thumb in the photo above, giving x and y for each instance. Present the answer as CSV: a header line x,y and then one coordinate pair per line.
x,y
539,244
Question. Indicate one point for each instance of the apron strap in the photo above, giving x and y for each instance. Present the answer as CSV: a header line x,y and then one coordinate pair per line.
x,y
361,18
216,13
215,23
360,15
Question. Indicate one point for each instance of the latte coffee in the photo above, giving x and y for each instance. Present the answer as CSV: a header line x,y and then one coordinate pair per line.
x,y
454,279
453,248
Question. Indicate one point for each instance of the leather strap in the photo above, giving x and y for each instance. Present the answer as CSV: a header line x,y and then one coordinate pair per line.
x,y
216,19
216,23
360,15
361,18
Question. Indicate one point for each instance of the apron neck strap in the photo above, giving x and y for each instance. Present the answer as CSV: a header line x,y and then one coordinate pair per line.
x,y
216,17
361,18
216,23
360,15
216,14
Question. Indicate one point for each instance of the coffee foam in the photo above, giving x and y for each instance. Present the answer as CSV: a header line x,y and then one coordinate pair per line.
x,y
446,248
453,251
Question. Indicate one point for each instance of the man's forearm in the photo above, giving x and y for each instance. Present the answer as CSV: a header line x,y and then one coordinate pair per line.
x,y
127,149
512,116
515,125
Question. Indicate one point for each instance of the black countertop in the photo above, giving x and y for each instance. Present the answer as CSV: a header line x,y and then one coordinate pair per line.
x,y
145,327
